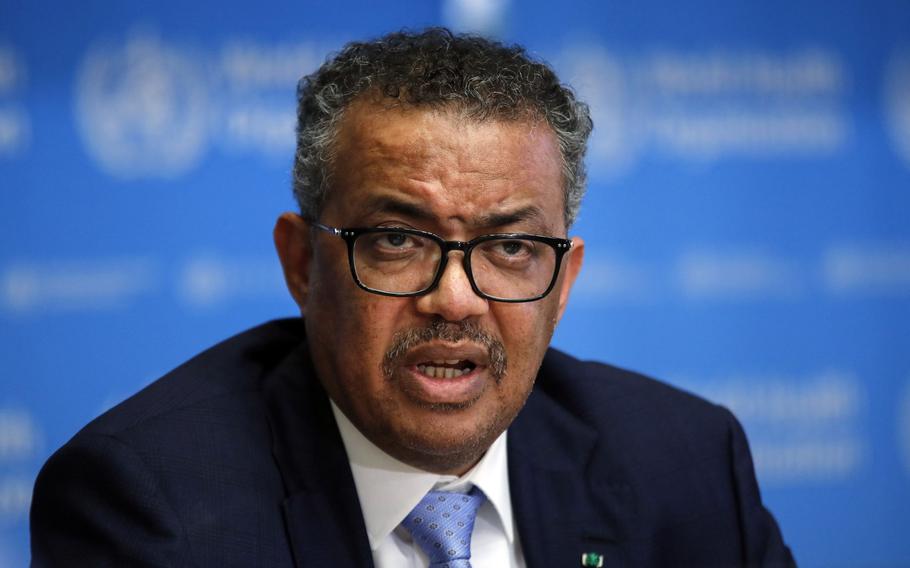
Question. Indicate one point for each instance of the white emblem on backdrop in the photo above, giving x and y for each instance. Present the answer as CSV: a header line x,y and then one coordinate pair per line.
x,y
19,436
478,16
20,442
11,70
209,280
737,275
746,274
868,269
705,106
601,82
257,108
613,278
15,130
149,108
15,125
15,497
76,285
801,428
142,108
897,102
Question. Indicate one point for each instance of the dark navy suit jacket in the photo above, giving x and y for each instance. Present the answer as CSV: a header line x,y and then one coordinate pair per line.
x,y
234,459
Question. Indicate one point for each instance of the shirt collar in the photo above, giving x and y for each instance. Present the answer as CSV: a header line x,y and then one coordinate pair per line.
x,y
388,488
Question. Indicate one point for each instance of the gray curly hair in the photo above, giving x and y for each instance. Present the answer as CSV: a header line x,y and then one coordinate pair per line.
x,y
435,68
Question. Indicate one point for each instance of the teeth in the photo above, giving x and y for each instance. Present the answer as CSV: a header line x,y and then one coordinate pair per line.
x,y
441,362
441,372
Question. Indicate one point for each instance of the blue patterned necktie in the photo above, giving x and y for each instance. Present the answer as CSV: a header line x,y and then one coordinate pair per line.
x,y
442,523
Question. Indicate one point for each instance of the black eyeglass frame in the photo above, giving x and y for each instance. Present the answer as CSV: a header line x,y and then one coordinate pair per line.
x,y
559,246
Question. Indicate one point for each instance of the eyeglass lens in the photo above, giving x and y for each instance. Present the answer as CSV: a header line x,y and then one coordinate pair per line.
x,y
403,263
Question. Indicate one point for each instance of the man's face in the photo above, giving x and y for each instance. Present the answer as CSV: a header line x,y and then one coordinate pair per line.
x,y
435,171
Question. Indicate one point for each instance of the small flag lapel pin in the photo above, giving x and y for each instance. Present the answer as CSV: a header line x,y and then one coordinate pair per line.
x,y
592,560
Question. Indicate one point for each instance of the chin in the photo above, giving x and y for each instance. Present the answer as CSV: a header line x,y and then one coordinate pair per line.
x,y
449,440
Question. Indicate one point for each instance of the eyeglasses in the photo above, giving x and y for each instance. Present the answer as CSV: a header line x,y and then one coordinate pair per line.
x,y
507,267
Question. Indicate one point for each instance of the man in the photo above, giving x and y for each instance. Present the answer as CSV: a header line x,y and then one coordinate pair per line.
x,y
414,416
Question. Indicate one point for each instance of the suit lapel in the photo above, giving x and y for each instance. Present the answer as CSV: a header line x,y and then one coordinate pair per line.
x,y
322,512
560,508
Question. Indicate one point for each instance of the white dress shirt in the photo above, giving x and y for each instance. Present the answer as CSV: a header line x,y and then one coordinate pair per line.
x,y
388,489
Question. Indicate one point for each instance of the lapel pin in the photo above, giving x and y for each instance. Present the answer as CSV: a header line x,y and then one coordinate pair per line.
x,y
592,560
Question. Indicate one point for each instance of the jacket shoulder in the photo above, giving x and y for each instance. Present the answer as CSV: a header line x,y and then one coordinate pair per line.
x,y
164,469
597,391
645,423
229,368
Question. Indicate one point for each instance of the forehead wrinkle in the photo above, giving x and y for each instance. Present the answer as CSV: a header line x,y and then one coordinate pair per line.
x,y
428,155
392,147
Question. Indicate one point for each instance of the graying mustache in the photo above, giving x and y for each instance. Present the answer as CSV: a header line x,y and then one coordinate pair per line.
x,y
406,340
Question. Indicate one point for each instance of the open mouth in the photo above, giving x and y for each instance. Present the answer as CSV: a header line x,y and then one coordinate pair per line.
x,y
437,373
446,368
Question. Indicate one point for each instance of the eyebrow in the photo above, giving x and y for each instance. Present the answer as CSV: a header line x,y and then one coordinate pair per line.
x,y
528,213
388,204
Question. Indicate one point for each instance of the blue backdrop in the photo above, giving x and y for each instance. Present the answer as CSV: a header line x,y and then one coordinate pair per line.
x,y
747,217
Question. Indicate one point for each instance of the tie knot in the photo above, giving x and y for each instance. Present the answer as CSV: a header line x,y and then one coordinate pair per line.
x,y
441,525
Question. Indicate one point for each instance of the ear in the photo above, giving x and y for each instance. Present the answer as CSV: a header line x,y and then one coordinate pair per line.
x,y
572,266
295,250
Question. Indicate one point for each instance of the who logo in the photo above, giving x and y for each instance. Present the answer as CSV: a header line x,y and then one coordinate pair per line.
x,y
142,108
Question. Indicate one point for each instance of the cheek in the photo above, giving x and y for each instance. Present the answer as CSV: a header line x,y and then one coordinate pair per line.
x,y
363,326
527,329
371,322
334,313
333,293
326,282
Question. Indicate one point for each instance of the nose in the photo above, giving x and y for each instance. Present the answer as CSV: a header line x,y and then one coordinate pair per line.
x,y
453,298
